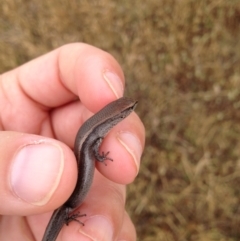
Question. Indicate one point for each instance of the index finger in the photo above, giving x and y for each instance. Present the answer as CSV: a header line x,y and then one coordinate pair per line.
x,y
55,79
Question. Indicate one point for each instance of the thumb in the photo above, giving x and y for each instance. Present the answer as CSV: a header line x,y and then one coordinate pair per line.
x,y
37,174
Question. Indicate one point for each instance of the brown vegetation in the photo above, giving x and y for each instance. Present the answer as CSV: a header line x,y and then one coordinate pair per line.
x,y
182,62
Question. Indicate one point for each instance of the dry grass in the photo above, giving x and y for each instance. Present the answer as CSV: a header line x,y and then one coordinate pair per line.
x,y
182,62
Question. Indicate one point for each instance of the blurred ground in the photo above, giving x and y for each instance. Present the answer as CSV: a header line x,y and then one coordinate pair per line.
x,y
182,62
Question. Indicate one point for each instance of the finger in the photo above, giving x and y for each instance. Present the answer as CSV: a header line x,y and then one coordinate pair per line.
x,y
34,171
128,231
125,145
17,229
104,207
55,79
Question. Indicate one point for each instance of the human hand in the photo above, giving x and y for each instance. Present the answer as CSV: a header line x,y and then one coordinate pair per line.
x,y
40,116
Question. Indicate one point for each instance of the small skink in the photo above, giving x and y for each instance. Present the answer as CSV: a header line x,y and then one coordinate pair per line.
x,y
86,150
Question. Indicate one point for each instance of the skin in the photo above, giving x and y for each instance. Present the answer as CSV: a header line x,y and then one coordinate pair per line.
x,y
40,101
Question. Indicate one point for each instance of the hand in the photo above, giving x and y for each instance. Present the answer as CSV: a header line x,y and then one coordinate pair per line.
x,y
40,116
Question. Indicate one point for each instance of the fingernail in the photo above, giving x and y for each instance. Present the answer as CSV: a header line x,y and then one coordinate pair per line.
x,y
36,171
114,82
97,228
132,145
